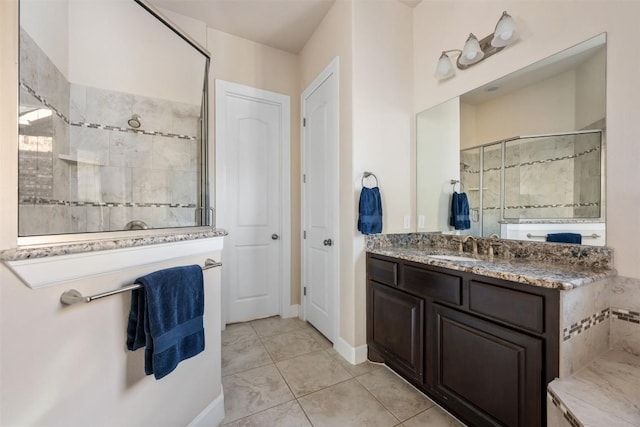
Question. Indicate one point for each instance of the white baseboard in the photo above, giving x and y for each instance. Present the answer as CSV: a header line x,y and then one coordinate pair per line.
x,y
292,311
212,415
353,355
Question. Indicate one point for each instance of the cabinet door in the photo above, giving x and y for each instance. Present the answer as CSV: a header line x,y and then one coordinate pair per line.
x,y
489,374
395,329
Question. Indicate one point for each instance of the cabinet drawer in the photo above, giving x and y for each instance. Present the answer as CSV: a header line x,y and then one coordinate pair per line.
x,y
383,271
511,306
439,286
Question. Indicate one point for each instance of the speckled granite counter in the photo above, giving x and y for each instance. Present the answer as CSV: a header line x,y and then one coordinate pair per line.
x,y
560,266
41,251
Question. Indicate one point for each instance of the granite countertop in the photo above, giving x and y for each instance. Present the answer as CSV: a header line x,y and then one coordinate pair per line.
x,y
526,271
41,251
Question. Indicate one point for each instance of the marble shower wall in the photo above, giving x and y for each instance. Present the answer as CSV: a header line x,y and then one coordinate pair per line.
x,y
555,177
598,317
84,169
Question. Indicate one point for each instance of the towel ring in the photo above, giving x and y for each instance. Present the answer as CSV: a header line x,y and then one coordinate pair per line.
x,y
454,182
367,175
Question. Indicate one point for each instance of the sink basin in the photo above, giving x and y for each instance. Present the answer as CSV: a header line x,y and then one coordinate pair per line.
x,y
453,258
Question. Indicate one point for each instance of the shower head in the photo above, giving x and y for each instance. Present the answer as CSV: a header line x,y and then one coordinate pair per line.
x,y
134,121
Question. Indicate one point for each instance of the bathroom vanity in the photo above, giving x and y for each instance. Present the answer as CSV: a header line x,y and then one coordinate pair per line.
x,y
480,337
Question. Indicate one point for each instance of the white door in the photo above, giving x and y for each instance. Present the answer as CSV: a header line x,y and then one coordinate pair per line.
x,y
320,201
252,200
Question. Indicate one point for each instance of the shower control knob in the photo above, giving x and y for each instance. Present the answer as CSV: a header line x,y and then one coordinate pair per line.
x,y
274,236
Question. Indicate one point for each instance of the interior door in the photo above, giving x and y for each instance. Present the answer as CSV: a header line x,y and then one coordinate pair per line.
x,y
249,142
319,201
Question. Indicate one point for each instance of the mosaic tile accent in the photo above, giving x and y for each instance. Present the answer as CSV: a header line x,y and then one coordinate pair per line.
x,y
626,315
559,205
584,324
41,201
99,126
467,169
571,419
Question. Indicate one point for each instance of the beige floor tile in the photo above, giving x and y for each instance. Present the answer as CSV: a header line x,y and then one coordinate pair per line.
x,y
346,404
244,355
401,399
311,372
238,332
318,337
249,392
276,325
433,417
289,345
354,370
289,414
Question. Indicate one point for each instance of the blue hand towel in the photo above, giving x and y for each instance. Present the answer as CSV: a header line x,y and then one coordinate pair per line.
x,y
565,238
459,217
166,316
370,207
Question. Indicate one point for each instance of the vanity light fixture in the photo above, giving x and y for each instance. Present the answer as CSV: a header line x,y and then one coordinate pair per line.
x,y
475,50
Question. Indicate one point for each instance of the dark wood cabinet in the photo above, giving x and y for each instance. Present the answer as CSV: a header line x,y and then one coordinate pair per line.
x,y
488,373
483,348
395,329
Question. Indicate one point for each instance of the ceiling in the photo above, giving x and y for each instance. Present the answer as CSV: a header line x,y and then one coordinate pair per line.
x,y
283,24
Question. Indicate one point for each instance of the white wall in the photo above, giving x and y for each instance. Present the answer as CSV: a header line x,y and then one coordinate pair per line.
x,y
373,41
543,34
333,38
546,107
438,162
47,22
253,64
135,55
69,367
383,124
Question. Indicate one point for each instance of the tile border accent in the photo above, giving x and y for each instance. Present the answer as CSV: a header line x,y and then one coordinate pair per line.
x,y
99,126
584,324
41,201
626,315
571,419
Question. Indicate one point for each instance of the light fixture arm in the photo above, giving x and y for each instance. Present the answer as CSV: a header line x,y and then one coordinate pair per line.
x,y
486,47
475,50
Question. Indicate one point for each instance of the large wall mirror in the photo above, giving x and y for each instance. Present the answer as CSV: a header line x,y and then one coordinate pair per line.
x,y
112,120
527,150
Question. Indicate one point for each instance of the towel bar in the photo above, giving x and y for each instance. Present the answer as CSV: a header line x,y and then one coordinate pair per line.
x,y
586,236
73,296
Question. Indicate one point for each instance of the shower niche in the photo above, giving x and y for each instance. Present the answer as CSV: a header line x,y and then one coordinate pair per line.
x,y
112,120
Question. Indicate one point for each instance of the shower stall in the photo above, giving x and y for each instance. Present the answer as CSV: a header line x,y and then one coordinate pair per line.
x,y
554,181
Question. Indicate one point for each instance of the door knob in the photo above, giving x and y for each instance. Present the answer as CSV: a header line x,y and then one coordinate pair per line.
x,y
328,242
274,236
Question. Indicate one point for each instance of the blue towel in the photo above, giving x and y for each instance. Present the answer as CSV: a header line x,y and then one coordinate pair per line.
x,y
565,238
459,217
370,211
166,316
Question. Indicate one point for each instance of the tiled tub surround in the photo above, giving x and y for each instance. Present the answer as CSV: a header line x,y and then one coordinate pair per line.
x,y
599,380
539,264
94,173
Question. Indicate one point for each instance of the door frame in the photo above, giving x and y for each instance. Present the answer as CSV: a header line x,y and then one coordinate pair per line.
x,y
331,69
222,89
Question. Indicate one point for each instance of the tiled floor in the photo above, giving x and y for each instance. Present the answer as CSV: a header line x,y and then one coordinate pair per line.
x,y
283,373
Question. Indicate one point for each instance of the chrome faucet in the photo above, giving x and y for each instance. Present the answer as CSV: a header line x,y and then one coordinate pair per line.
x,y
463,240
